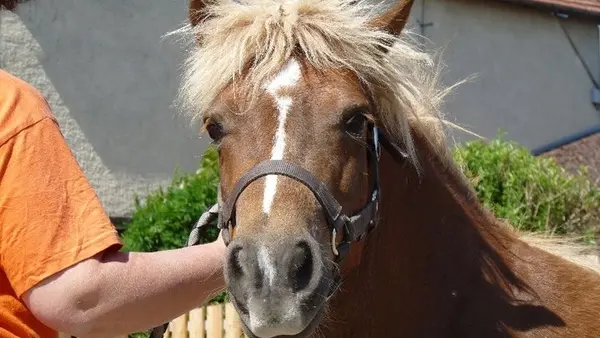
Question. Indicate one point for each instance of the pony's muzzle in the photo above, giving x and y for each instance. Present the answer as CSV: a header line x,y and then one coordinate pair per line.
x,y
278,285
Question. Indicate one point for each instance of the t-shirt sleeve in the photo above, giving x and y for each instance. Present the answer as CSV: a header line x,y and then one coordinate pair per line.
x,y
50,216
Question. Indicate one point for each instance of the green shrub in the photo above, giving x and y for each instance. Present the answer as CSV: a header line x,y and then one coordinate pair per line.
x,y
164,220
532,193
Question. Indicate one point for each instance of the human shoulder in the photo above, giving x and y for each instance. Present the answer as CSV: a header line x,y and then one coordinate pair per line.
x,y
21,106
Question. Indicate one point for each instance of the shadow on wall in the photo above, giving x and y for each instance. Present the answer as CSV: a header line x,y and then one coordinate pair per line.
x,y
115,75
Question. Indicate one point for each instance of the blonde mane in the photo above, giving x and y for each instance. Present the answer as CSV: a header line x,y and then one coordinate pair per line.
x,y
253,39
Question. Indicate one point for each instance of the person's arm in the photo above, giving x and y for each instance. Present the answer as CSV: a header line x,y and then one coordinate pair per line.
x,y
59,250
119,293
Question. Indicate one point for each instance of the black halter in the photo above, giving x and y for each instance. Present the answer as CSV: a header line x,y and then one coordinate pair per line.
x,y
353,227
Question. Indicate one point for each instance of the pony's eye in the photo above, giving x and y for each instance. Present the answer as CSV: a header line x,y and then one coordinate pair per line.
x,y
355,124
215,131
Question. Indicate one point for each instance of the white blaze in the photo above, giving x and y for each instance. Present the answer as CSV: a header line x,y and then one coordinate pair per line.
x,y
287,77
264,262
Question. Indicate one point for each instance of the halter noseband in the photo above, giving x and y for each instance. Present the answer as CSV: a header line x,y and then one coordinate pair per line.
x,y
353,227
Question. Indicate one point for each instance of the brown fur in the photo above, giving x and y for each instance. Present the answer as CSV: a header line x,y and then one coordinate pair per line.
x,y
439,264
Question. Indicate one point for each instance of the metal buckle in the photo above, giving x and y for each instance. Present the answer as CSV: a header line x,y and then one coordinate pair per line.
x,y
375,195
376,142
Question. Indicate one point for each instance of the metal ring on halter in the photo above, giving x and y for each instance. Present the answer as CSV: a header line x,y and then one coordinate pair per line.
x,y
333,244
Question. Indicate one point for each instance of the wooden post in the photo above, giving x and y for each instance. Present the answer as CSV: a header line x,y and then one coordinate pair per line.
x,y
233,326
214,321
179,327
196,323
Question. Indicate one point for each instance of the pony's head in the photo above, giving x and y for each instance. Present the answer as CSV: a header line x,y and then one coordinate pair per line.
x,y
307,86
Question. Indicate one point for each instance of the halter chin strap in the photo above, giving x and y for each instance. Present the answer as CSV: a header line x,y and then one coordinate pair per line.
x,y
352,227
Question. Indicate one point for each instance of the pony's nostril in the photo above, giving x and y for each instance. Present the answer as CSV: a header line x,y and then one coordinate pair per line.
x,y
235,264
301,266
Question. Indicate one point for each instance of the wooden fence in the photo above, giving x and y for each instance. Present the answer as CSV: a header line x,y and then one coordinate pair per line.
x,y
213,321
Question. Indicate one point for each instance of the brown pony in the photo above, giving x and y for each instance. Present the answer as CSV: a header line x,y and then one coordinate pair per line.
x,y
328,126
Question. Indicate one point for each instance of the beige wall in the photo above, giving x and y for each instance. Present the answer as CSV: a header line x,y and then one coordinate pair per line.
x,y
111,79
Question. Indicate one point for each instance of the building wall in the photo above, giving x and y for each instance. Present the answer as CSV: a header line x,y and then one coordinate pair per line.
x,y
111,78
529,81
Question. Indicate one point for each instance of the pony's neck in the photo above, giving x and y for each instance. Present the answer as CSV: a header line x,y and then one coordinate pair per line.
x,y
425,253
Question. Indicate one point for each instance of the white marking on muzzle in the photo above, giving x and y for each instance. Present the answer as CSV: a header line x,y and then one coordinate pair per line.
x,y
287,77
266,264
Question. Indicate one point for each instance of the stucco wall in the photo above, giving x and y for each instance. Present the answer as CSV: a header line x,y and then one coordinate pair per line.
x,y
529,81
111,79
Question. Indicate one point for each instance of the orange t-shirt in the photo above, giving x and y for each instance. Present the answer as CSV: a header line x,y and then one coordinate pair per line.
x,y
50,217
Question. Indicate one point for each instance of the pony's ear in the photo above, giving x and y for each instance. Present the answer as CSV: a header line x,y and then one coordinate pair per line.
x,y
196,11
394,19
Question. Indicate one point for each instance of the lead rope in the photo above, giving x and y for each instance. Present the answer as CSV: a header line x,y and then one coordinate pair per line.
x,y
194,239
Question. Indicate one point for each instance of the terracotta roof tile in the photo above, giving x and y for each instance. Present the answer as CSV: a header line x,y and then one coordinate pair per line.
x,y
585,7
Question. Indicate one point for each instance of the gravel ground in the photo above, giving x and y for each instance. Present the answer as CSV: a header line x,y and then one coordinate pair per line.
x,y
585,151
